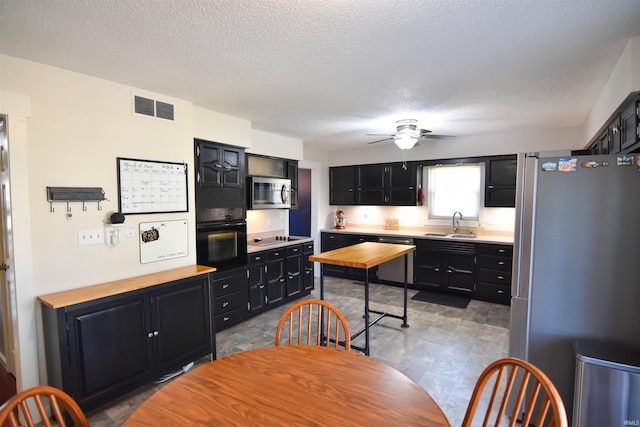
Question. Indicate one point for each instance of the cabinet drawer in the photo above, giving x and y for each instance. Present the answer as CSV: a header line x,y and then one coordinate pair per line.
x,y
225,320
294,250
493,293
495,250
228,285
495,276
307,248
275,254
229,302
258,258
495,262
334,237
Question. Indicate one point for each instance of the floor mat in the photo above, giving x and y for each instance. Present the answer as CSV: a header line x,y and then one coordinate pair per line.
x,y
442,299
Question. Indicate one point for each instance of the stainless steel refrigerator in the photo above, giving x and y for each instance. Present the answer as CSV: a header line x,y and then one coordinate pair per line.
x,y
576,271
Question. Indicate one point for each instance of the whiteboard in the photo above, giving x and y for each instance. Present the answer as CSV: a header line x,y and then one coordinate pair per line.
x,y
163,240
147,186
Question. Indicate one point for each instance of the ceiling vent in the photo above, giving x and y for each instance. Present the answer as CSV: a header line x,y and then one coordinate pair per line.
x,y
152,108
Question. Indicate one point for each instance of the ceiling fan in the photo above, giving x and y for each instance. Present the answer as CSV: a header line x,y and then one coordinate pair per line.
x,y
408,134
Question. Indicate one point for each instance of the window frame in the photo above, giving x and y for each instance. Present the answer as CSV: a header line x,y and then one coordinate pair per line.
x,y
478,194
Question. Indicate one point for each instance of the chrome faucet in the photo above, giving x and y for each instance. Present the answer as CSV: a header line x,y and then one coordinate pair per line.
x,y
454,223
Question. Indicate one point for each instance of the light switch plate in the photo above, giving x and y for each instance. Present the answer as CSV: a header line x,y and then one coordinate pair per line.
x,y
90,237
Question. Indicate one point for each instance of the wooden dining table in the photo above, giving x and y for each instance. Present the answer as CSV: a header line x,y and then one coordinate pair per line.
x,y
365,256
287,386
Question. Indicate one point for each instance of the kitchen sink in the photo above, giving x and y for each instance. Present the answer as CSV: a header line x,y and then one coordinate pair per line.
x,y
436,234
463,236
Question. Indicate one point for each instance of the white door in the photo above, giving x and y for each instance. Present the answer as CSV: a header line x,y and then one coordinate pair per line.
x,y
6,256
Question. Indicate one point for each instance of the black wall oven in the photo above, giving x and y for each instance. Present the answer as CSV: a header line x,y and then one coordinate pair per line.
x,y
222,241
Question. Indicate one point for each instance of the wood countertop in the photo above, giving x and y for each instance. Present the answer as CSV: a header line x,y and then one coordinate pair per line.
x,y
363,255
102,290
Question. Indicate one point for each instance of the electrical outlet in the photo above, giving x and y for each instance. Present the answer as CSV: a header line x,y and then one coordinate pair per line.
x,y
90,237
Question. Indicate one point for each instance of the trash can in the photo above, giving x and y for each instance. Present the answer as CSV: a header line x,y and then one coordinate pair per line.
x,y
607,385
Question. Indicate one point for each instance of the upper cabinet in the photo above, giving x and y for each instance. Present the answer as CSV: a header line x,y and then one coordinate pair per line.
x,y
219,165
220,177
342,185
621,133
500,182
375,184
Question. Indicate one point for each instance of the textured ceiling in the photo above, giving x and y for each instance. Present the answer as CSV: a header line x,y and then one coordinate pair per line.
x,y
330,71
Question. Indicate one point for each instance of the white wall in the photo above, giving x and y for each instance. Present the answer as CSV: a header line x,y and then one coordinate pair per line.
x,y
624,79
270,144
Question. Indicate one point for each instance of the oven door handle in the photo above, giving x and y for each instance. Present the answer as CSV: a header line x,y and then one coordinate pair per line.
x,y
210,226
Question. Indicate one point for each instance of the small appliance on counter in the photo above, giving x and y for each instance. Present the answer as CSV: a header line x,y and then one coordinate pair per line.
x,y
340,221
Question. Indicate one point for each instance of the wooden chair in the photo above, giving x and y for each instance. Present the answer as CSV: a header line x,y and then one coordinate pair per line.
x,y
543,406
58,400
314,322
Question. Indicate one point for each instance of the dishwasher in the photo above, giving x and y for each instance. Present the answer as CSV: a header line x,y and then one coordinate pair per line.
x,y
393,271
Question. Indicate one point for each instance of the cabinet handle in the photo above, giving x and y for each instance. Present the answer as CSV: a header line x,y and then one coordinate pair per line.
x,y
224,304
501,277
436,269
150,334
225,285
155,333
500,291
225,319
502,251
490,187
261,287
501,263
217,165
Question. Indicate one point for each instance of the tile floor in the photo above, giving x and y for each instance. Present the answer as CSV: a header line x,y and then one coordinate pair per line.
x,y
444,349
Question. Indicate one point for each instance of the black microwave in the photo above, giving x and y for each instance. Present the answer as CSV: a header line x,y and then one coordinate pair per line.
x,y
269,193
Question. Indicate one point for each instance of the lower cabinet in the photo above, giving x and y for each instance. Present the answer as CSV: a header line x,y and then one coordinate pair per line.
x,y
278,275
229,298
307,278
331,241
100,349
444,266
494,273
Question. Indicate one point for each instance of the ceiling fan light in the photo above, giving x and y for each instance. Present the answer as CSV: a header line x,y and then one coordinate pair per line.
x,y
405,141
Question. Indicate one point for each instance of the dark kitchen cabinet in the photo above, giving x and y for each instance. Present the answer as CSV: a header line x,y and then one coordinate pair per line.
x,y
220,177
292,174
444,266
276,275
342,185
629,126
294,270
500,181
331,241
307,266
229,297
100,349
493,273
621,133
257,276
386,184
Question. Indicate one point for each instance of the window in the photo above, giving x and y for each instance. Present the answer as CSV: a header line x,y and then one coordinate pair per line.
x,y
452,188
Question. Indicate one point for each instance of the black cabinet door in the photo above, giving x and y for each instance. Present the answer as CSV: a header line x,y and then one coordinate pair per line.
x,y
276,279
500,182
342,185
307,278
459,272
110,346
294,275
181,322
401,184
428,267
232,167
210,160
370,180
257,287
629,126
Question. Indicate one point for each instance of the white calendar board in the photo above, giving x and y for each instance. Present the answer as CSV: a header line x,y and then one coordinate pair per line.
x,y
146,186
163,240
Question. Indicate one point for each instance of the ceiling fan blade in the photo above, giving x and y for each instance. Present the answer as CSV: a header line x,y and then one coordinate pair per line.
x,y
432,136
381,134
380,140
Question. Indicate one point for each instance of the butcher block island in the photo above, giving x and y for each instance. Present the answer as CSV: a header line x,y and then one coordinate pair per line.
x,y
104,340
